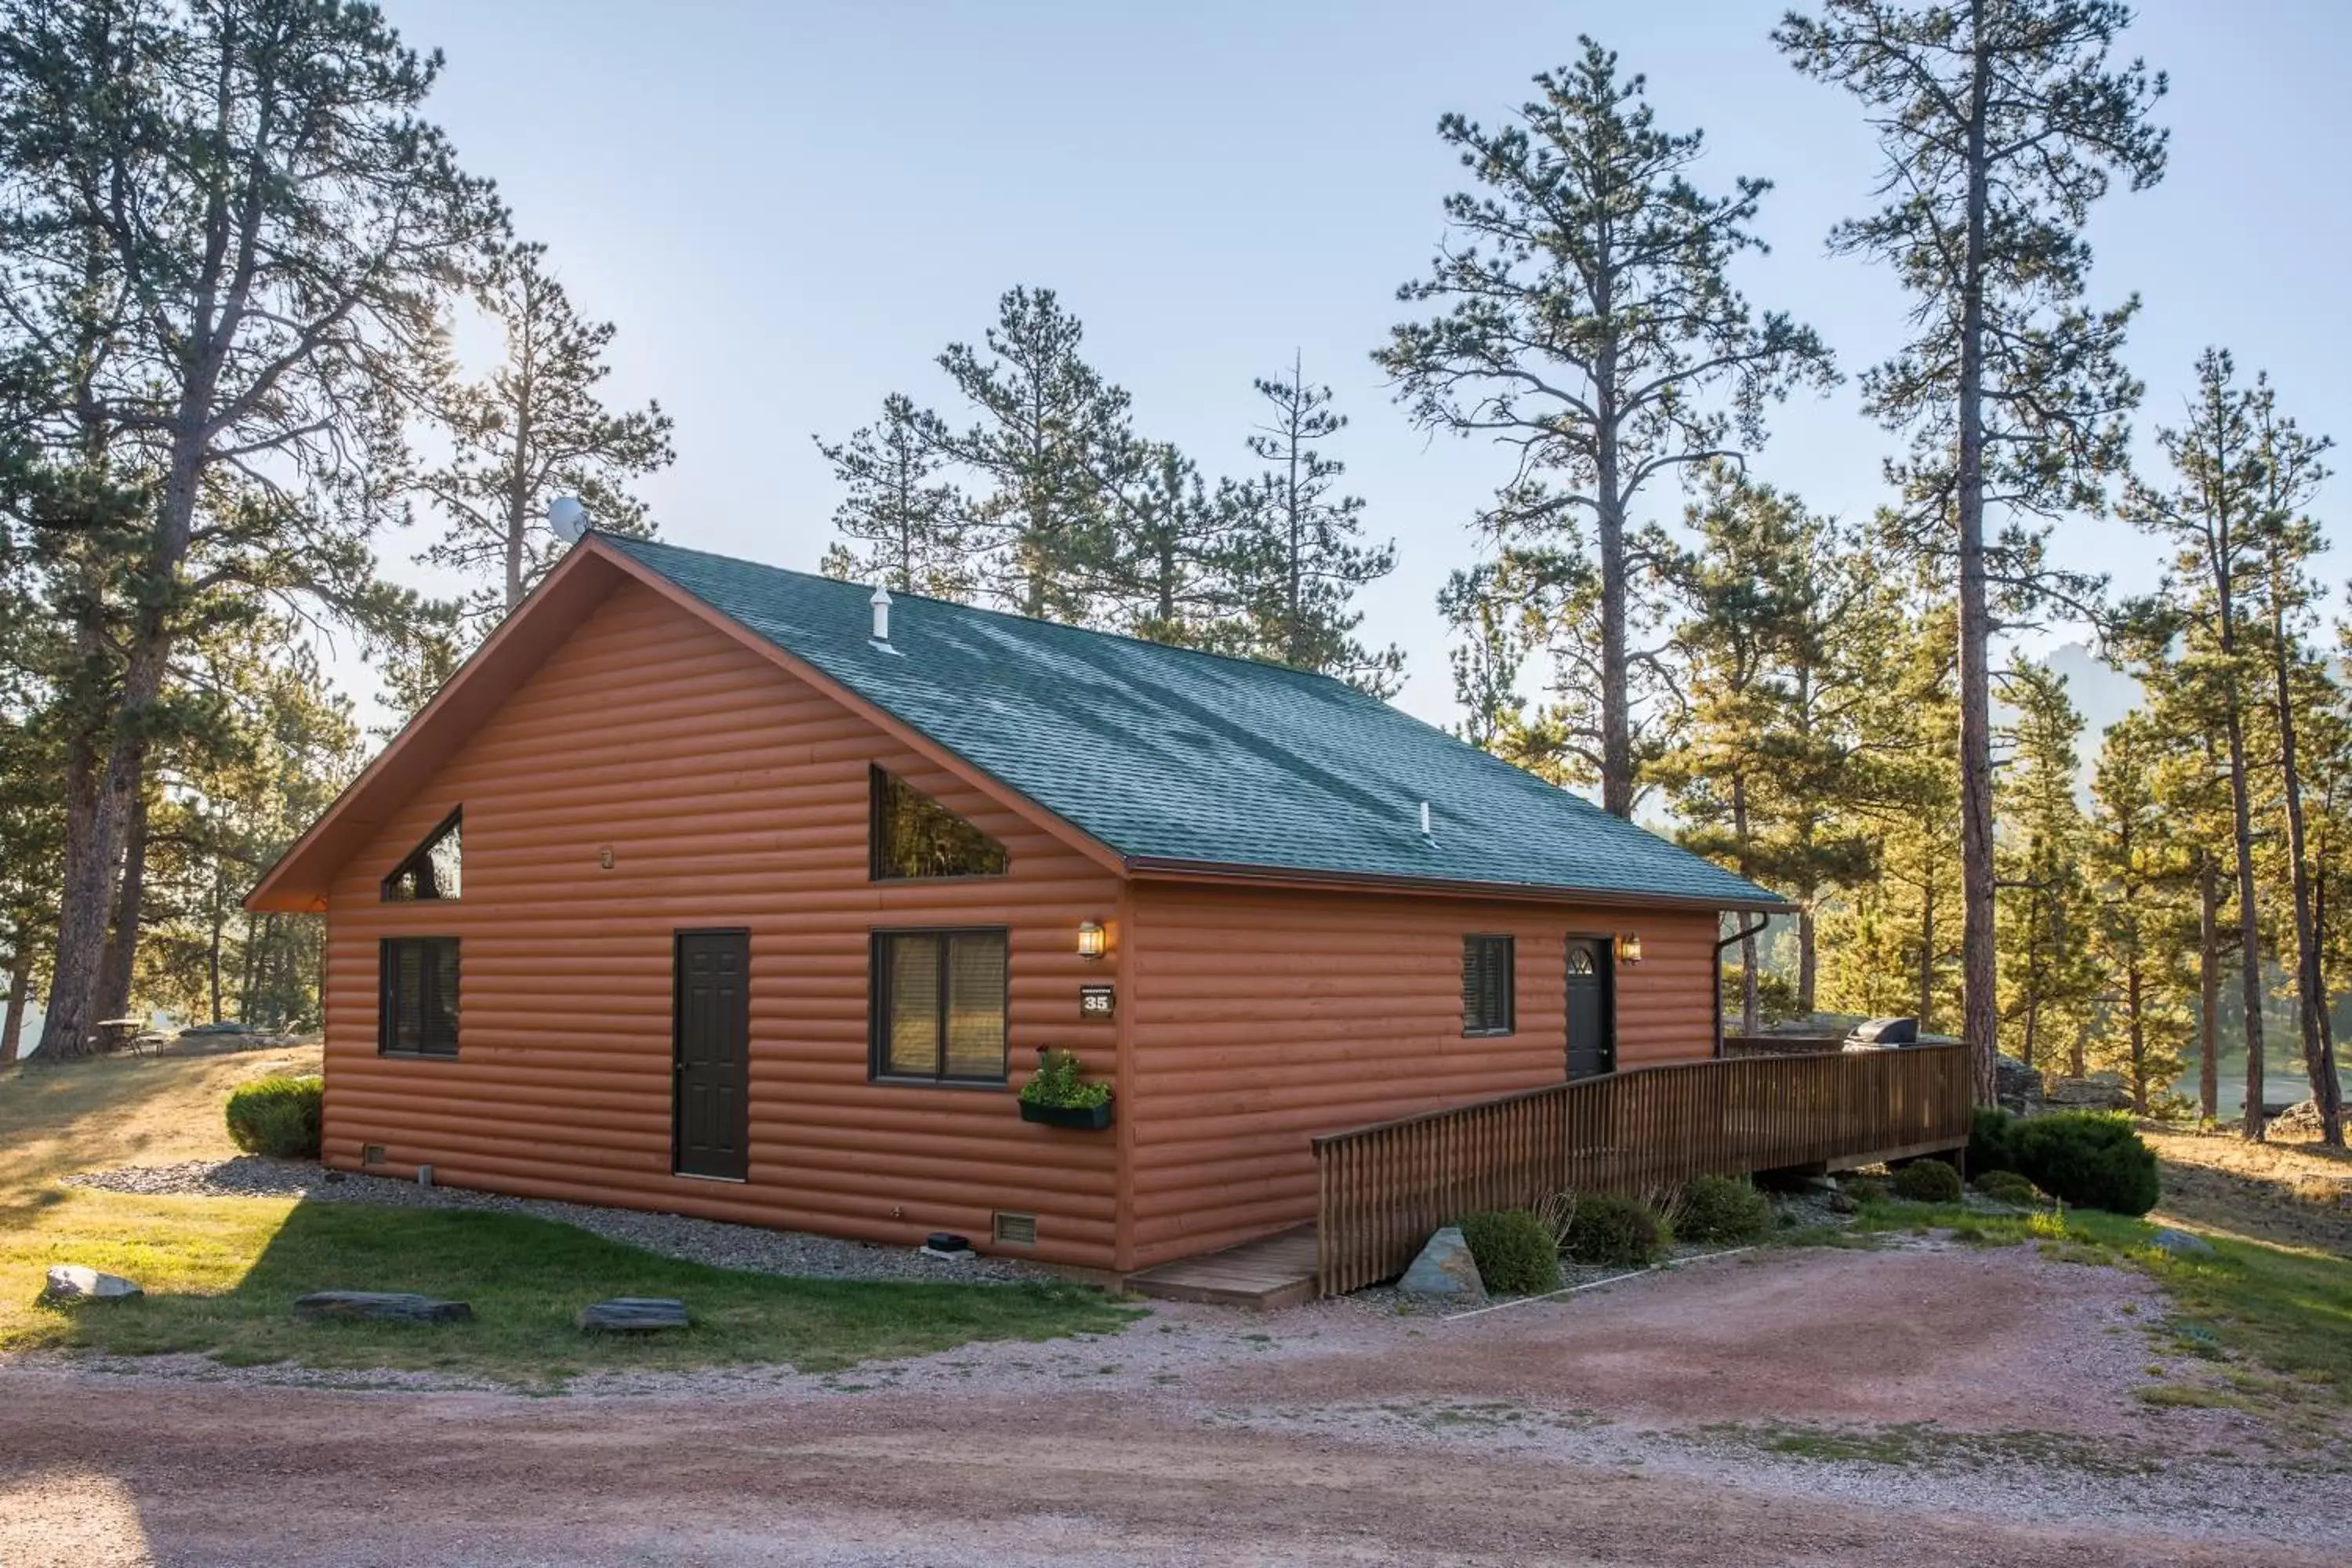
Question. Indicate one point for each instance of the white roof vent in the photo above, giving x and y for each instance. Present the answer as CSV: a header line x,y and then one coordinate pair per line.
x,y
1426,831
881,603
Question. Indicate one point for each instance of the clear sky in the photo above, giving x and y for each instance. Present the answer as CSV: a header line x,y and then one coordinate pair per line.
x,y
790,209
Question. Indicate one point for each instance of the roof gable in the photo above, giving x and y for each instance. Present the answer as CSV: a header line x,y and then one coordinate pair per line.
x,y
1182,760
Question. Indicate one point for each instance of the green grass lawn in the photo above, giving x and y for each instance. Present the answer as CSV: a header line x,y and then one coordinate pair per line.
x,y
2275,1319
221,1274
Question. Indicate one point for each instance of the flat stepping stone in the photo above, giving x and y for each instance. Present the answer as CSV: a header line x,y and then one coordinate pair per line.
x,y
386,1306
632,1315
77,1282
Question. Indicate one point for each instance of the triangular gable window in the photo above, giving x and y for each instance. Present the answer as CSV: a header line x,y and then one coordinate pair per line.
x,y
915,836
431,870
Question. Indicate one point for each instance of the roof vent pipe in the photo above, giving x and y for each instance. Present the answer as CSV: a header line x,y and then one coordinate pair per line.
x,y
1426,830
881,603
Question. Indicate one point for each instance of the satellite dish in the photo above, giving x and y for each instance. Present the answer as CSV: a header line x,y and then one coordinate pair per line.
x,y
567,518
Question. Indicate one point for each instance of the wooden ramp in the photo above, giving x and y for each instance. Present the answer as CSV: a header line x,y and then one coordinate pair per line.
x,y
1273,1271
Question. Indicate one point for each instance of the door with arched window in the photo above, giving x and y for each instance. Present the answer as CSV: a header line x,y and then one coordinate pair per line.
x,y
1592,1022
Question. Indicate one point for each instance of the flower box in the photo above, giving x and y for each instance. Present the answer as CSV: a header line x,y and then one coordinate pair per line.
x,y
1087,1117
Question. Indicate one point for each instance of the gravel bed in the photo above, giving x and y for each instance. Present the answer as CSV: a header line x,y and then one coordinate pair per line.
x,y
751,1247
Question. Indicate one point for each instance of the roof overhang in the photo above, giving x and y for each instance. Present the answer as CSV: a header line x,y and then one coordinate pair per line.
x,y
1165,869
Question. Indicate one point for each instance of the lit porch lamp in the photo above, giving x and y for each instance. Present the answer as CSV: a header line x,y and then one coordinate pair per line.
x,y
1629,947
1093,940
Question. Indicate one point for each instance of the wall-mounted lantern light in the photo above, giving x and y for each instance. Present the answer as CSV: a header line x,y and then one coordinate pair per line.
x,y
1093,940
1629,947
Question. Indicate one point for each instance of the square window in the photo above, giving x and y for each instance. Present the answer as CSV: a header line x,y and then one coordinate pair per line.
x,y
1486,985
940,1003
417,1011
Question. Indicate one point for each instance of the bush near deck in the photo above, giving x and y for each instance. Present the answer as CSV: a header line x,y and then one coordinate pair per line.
x,y
2084,1158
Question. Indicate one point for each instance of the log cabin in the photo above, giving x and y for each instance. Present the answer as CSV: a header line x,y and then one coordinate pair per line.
x,y
721,889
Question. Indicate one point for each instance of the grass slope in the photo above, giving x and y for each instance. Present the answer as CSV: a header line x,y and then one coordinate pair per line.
x,y
221,1274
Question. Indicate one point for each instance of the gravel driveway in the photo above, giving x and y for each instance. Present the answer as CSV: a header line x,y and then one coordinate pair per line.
x,y
1639,1423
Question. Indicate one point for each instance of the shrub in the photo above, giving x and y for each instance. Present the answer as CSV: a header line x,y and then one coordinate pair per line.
x,y
1866,1189
277,1116
2086,1158
1722,1208
1988,1140
1607,1228
2009,1187
1927,1182
1056,1082
1514,1250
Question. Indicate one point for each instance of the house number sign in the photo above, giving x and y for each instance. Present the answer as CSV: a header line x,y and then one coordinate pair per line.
x,y
1096,1004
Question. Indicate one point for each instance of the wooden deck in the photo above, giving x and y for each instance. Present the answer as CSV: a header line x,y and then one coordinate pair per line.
x,y
1273,1271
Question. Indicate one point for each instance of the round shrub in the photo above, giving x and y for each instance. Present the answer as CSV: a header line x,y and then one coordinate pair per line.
x,y
1866,1189
1722,1208
1927,1182
1988,1140
1607,1228
1514,1250
2009,1187
2088,1159
277,1116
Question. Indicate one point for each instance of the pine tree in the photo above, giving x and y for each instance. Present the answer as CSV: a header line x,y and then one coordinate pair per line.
x,y
1768,753
1299,561
535,428
902,524
2292,473
243,206
1589,325
1052,443
1891,945
2201,632
2139,867
2002,123
1165,562
2048,982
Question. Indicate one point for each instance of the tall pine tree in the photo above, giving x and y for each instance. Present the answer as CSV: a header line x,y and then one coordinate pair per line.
x,y
2002,122
1587,321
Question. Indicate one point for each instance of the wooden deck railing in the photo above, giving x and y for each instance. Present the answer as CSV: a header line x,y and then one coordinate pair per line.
x,y
1384,1188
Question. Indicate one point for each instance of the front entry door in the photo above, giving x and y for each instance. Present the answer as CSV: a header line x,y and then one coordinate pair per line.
x,y
711,1015
1591,1048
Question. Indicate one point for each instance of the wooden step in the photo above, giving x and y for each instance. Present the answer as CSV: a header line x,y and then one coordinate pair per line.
x,y
1272,1272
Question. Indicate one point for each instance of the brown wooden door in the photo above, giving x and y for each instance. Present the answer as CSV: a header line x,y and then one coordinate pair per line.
x,y
1592,1034
713,1018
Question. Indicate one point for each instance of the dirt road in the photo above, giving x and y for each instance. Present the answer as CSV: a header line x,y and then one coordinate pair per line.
x,y
1637,1425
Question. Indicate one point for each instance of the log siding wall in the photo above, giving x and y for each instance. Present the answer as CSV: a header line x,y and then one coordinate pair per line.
x,y
732,795
1268,1018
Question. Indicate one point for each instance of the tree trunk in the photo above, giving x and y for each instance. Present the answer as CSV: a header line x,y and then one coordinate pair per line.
x,y
119,963
1926,953
213,959
1751,990
2311,991
1979,1007
86,897
20,990
2209,989
2250,936
1808,956
2132,1001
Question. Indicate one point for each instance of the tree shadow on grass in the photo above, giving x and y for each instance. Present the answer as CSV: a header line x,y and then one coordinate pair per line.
x,y
525,1278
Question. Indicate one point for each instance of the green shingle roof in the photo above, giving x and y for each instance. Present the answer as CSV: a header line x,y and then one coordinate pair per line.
x,y
1165,754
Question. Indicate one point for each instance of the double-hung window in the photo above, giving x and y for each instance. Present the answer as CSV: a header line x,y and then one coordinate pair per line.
x,y
1487,980
938,1006
417,1012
